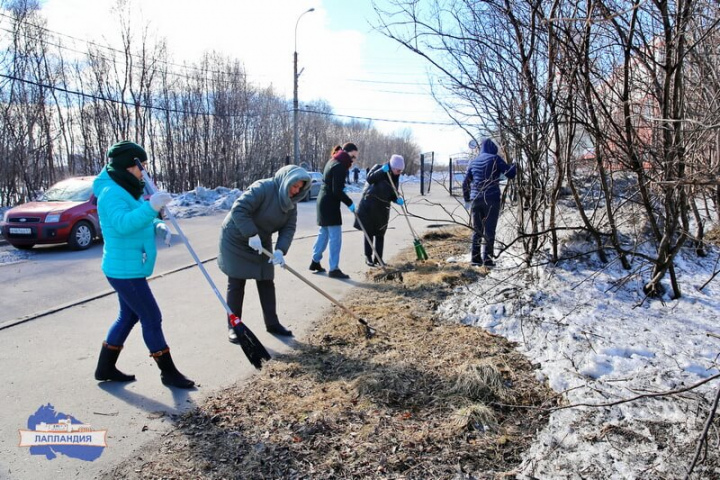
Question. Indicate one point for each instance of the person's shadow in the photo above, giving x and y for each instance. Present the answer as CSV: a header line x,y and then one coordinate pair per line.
x,y
181,398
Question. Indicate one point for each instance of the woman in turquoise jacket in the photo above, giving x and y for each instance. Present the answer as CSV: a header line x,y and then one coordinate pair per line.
x,y
129,224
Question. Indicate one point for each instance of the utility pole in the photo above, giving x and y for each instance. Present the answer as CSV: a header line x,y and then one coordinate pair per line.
x,y
296,139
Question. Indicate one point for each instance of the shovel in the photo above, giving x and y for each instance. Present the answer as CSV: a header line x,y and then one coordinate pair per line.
x,y
369,331
419,249
254,350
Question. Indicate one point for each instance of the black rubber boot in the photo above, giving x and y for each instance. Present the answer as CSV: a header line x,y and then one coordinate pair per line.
x,y
169,374
106,370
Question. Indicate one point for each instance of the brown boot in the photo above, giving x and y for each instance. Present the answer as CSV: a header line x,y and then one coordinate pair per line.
x,y
169,374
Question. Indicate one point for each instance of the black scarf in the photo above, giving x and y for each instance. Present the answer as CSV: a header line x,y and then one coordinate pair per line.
x,y
127,180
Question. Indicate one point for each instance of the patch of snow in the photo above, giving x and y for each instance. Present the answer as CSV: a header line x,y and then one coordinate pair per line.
x,y
10,255
599,340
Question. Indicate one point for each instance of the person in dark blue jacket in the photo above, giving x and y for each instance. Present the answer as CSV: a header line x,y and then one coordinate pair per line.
x,y
481,188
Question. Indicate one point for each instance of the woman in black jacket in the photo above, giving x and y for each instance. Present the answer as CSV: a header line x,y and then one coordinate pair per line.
x,y
332,193
374,209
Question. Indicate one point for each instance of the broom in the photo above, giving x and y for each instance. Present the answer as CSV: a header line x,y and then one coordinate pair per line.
x,y
369,331
254,350
419,249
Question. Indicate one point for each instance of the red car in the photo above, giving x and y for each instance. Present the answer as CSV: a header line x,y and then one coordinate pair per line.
x,y
65,213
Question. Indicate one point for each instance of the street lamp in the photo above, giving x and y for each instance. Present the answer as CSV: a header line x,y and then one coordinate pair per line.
x,y
296,145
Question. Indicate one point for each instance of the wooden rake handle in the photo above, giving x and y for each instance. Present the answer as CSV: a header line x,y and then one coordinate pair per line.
x,y
320,291
402,207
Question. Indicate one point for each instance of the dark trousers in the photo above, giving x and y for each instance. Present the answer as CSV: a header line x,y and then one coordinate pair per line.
x,y
485,217
266,292
379,242
137,303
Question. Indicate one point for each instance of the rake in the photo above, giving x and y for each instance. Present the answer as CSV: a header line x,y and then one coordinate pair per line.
x,y
369,330
254,350
419,249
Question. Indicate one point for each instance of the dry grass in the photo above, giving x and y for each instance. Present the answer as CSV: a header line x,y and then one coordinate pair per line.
x,y
482,381
713,236
422,399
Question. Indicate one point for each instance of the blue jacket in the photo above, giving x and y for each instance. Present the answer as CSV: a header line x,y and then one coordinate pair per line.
x,y
128,228
482,181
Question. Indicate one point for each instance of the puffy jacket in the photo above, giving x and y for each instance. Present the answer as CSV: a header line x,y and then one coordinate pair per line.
x,y
374,209
128,228
482,181
263,209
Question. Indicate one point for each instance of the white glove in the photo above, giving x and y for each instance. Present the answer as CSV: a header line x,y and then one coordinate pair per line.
x,y
164,230
277,258
255,243
159,200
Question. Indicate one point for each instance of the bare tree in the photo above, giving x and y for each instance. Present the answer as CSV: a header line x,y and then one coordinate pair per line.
x,y
562,82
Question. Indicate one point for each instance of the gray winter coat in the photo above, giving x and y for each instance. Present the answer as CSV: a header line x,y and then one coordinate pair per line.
x,y
263,209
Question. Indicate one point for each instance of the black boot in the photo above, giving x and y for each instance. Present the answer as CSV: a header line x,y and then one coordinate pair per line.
x,y
232,336
316,267
337,273
169,374
278,329
106,370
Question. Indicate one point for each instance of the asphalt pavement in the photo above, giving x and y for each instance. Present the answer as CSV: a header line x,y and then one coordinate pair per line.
x,y
49,361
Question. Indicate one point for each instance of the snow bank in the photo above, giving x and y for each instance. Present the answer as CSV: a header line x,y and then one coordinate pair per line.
x,y
597,339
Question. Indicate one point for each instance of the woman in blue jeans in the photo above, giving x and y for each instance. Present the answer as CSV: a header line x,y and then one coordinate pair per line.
x,y
329,218
129,225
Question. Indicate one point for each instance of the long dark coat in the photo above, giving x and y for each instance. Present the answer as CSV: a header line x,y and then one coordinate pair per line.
x,y
374,209
263,209
332,190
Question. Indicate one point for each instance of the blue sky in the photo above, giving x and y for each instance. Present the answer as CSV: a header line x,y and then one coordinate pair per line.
x,y
358,71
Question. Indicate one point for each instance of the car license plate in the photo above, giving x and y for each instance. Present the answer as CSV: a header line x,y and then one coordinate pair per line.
x,y
20,231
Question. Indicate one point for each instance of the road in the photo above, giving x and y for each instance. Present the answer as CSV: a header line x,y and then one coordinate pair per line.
x,y
51,359
28,291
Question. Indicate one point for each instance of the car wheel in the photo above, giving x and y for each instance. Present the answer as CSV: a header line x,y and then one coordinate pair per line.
x,y
81,236
24,247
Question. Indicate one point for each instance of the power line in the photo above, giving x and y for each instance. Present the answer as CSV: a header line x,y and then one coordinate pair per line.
x,y
354,117
138,66
172,64
112,49
185,112
114,100
358,80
